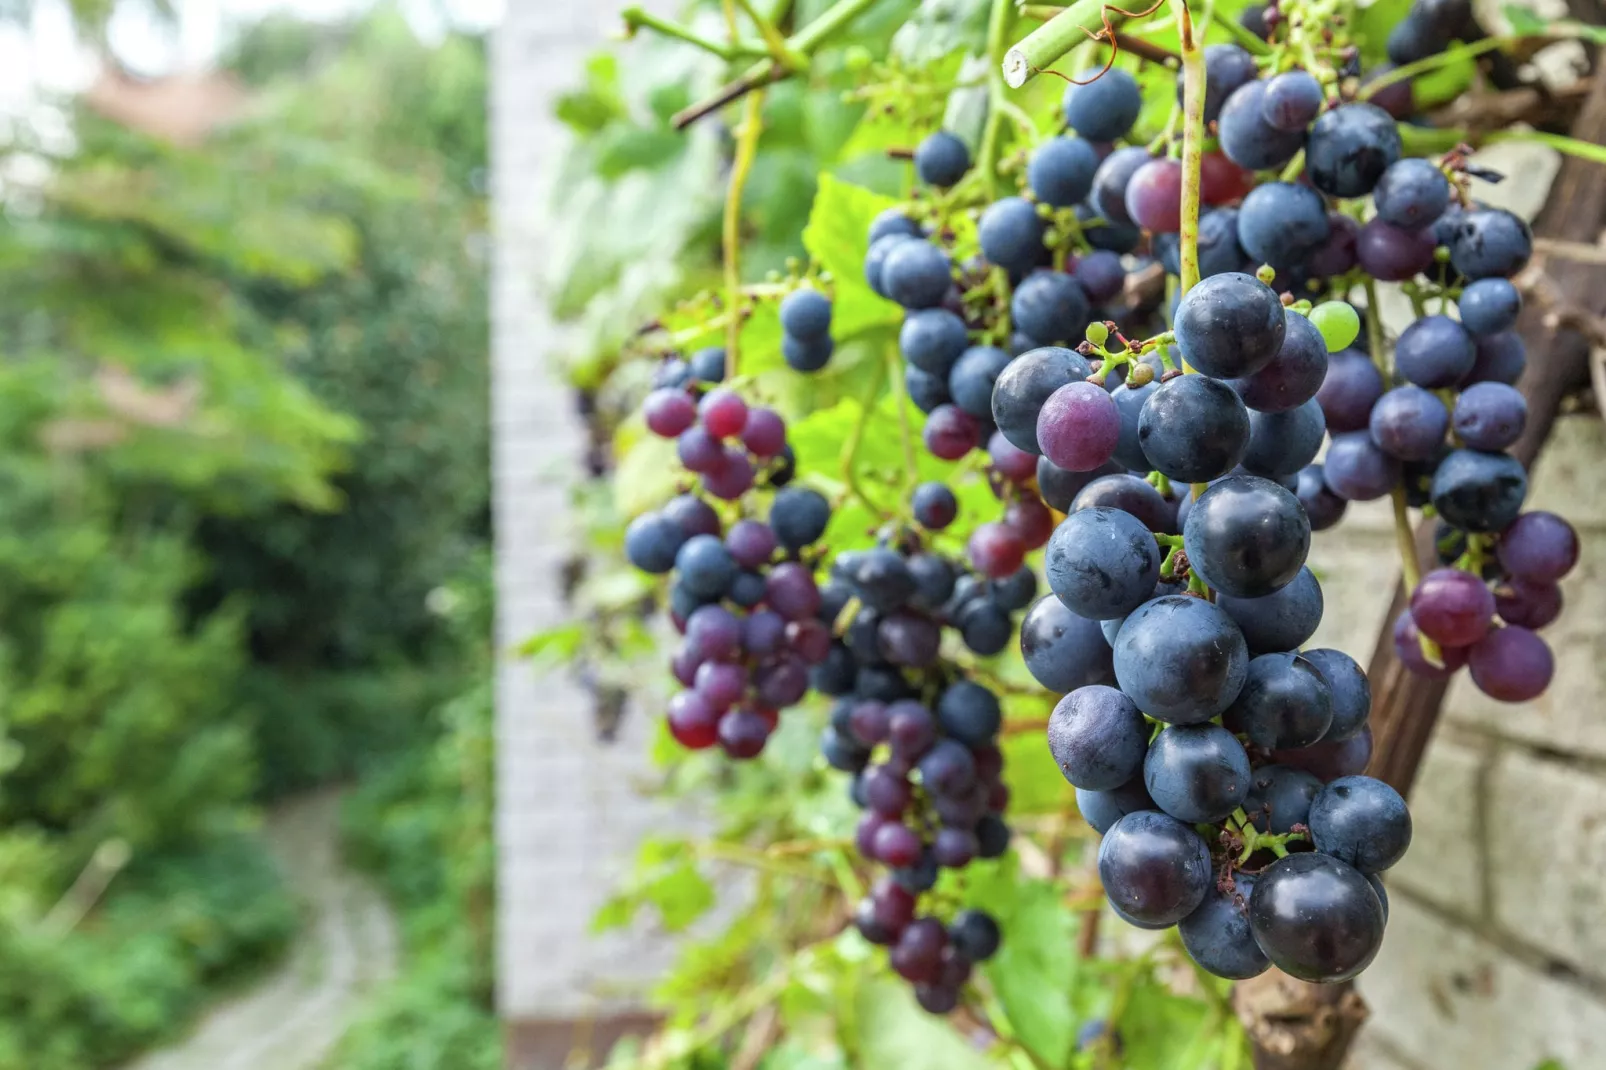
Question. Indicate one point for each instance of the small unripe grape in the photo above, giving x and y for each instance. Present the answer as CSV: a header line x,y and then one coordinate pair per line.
x,y
1097,333
1339,323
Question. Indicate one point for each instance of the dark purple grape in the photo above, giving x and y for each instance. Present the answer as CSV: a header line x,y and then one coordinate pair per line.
x,y
1489,306
1294,374
1103,105
1129,402
984,626
1078,427
1284,703
951,432
917,957
1101,275
1281,224
1247,139
1025,384
1409,423
782,682
1490,416
1059,488
763,633
1194,428
1278,621
1362,822
1155,869
934,581
1051,307
1098,737
1356,470
799,516
1501,358
1220,182
1528,605
1338,252
1511,664
1061,650
791,591
1280,797
743,733
1415,37
1230,325
1478,491
1011,235
1412,193
995,550
1408,648
669,412
1110,183
1130,494
842,752
948,769
693,721
954,848
934,506
1322,506
1061,171
1316,918
897,845
1350,690
1217,934
1490,243
693,515
1247,537
1197,773
1154,196
1291,101
1349,148
1033,521
1539,547
974,934
1102,563
721,684
870,722
1396,98
1282,443
1451,607
909,639
1180,659
1393,253
1350,389
1329,761
941,160
751,543
911,728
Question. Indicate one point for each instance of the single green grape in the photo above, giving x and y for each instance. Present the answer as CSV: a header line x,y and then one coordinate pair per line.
x,y
1097,333
1339,323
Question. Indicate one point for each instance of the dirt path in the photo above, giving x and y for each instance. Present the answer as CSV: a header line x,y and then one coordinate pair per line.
x,y
290,1019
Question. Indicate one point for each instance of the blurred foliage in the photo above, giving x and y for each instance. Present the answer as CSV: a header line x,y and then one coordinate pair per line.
x,y
243,454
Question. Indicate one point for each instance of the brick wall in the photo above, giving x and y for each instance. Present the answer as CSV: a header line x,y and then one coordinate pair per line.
x,y
569,808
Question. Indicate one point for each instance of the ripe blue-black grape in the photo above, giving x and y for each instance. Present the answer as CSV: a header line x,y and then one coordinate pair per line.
x,y
934,579
1434,352
1293,375
985,627
928,392
1129,402
1282,443
1490,243
799,516
875,259
1415,37
1362,822
974,934
1217,934
1061,171
1356,470
892,221
1349,148
1284,703
695,516
1098,737
1181,659
1331,760
1198,773
651,542
1478,491
1011,235
1280,224
1102,809
1230,325
1291,101
1247,139
1412,193
1511,664
1051,307
705,566
1392,253
1316,918
1322,506
1502,357
1409,423
1227,66
1539,547
1102,563
807,355
1101,275
1104,234
1104,106
1111,180
805,314
948,768
969,713
1350,389
1130,494
1064,651
1337,253
1016,590
941,160
1154,869
931,339
1488,306
1351,691
934,506
1219,251
970,382
1247,536
1194,428
842,753
916,274
1280,797
1027,382
1490,416
1281,620
708,365
1059,487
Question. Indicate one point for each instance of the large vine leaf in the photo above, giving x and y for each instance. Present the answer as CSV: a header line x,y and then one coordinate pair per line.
x,y
837,237
894,1032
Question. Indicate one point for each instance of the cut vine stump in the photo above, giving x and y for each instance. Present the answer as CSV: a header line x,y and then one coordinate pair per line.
x,y
1298,1026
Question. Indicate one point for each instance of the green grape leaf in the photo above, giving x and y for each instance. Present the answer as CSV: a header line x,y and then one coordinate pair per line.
x,y
837,237
1165,1031
1036,785
555,644
894,1032
1036,969
646,476
1524,21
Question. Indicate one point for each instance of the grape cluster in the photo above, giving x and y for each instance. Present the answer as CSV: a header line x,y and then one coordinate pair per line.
x,y
919,738
744,597
806,343
1217,759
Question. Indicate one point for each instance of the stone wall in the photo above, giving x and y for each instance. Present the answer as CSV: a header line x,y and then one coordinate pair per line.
x,y
1498,913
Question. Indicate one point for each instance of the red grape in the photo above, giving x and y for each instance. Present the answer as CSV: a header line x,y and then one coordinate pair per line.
x,y
723,412
1154,196
1079,427
1512,664
692,721
1451,607
669,412
995,550
951,432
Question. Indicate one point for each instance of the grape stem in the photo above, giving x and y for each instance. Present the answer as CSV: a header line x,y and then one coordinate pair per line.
x,y
987,154
1041,48
850,453
637,19
1239,32
900,398
1193,132
747,135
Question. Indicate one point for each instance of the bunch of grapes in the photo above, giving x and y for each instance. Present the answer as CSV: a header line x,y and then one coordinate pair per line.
x,y
744,597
